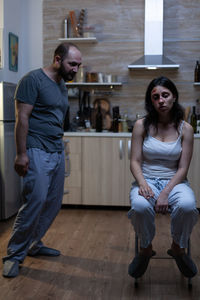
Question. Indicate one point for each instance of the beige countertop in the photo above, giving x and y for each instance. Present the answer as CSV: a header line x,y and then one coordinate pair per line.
x,y
104,134
98,134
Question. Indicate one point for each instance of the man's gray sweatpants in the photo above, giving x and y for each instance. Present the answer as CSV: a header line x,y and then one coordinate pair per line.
x,y
43,187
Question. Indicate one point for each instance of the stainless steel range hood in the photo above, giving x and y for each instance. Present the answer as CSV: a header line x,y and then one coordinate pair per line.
x,y
153,40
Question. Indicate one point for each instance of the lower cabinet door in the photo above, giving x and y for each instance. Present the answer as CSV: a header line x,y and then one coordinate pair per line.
x,y
72,188
103,171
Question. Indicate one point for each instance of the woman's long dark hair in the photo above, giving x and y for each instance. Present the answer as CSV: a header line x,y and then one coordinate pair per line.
x,y
177,112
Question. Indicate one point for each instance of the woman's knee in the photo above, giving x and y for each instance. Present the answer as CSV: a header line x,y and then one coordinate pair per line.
x,y
186,207
141,206
183,198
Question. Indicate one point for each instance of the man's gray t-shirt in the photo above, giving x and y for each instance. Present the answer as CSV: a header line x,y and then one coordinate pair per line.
x,y
50,103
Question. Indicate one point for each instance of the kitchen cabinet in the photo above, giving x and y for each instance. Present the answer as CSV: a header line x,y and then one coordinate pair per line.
x,y
72,188
100,170
194,170
105,174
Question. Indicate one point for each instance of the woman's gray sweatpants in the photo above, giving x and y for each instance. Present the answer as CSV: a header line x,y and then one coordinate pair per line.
x,y
43,188
184,214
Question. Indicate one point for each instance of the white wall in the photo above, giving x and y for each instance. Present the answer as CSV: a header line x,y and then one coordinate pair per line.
x,y
24,19
1,13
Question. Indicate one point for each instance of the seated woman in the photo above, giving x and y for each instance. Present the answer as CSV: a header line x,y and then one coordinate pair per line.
x,y
161,151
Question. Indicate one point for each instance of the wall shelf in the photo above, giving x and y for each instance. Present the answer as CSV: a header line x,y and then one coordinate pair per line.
x,y
96,84
91,40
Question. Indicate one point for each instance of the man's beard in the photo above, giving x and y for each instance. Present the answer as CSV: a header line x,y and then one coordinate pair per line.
x,y
66,76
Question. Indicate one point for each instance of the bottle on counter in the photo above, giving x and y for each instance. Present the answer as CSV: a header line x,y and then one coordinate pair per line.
x,y
197,72
124,123
116,118
99,119
198,108
193,119
65,29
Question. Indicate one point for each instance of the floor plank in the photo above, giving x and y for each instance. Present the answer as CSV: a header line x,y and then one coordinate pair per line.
x,y
97,246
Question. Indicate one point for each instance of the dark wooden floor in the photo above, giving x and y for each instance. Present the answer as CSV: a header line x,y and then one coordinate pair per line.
x,y
97,246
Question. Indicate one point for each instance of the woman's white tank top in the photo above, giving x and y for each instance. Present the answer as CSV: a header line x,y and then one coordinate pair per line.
x,y
160,159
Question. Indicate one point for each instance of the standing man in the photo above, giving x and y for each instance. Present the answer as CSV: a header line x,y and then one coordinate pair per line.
x,y
41,104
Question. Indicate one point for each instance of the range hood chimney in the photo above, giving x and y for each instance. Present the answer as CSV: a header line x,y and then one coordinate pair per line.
x,y
153,39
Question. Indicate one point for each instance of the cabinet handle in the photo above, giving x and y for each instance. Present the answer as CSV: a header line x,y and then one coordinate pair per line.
x,y
121,149
66,146
67,160
129,149
68,166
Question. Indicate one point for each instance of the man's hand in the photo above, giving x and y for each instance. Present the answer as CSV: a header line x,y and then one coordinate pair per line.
x,y
21,164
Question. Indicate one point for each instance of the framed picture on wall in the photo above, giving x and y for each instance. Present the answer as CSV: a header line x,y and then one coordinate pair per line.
x,y
13,52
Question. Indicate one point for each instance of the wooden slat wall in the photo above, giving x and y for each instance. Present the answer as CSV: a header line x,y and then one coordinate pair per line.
x,y
119,28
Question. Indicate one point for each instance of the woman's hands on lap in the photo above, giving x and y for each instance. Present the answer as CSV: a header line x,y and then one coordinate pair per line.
x,y
145,191
162,203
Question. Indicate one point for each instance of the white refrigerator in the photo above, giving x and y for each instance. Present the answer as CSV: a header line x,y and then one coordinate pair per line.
x,y
10,182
